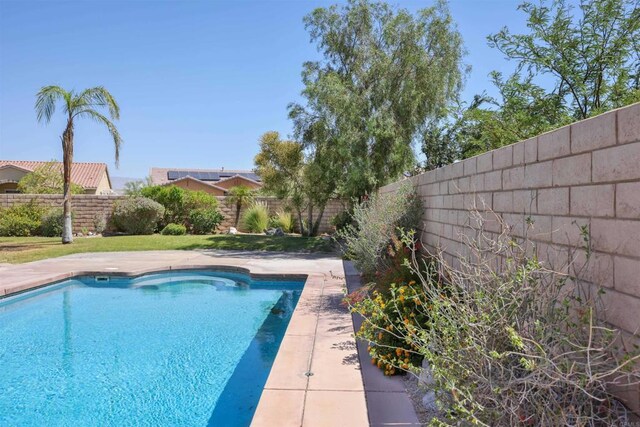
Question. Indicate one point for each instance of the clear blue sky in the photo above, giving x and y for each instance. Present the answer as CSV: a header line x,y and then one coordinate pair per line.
x,y
198,82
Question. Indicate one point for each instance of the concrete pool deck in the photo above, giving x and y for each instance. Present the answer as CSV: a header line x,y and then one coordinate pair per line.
x,y
316,378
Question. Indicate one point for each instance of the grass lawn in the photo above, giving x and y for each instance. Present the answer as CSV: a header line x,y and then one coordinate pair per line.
x,y
24,249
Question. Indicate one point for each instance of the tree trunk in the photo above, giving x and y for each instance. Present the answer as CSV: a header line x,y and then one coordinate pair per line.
x,y
238,207
316,224
309,220
300,221
67,160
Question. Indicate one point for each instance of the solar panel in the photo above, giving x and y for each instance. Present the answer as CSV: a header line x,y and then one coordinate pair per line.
x,y
209,176
251,176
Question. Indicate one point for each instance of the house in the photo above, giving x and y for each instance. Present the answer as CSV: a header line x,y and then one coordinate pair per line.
x,y
92,177
213,181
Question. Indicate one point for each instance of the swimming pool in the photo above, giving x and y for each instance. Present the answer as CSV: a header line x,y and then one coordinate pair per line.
x,y
187,348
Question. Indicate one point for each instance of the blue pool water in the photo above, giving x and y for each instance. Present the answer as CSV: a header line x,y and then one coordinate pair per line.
x,y
169,349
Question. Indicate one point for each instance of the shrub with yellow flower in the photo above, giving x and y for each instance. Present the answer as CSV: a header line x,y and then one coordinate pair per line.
x,y
387,320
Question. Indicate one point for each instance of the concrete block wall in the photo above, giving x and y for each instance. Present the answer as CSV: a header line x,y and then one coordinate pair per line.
x,y
586,174
88,207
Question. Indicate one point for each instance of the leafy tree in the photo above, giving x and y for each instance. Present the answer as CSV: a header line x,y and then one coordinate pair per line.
x,y
594,57
589,63
76,105
522,110
288,173
134,188
384,73
240,196
440,140
46,179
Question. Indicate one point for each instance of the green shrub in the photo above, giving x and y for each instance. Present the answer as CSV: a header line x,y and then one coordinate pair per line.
x,y
52,223
342,220
256,218
178,202
31,210
21,220
137,215
174,230
394,305
284,220
15,225
375,222
171,198
273,222
204,220
199,200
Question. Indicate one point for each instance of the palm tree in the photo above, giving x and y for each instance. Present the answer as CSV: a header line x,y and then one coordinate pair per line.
x,y
77,106
240,195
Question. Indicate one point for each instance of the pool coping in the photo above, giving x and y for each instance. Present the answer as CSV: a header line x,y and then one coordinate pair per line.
x,y
7,292
315,379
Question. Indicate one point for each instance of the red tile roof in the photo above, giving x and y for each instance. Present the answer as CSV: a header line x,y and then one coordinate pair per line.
x,y
86,175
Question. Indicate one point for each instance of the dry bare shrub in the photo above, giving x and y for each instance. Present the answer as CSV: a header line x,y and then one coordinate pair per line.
x,y
512,342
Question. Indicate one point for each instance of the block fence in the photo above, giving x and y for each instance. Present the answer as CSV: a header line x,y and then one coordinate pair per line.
x,y
584,174
88,208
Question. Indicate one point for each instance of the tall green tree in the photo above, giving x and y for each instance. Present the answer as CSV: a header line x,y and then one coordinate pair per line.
x,y
239,196
384,73
288,172
77,105
280,164
592,55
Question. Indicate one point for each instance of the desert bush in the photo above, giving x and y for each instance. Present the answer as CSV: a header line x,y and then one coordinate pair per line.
x,y
100,222
204,220
174,230
21,220
137,215
52,223
284,220
375,222
517,345
256,218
